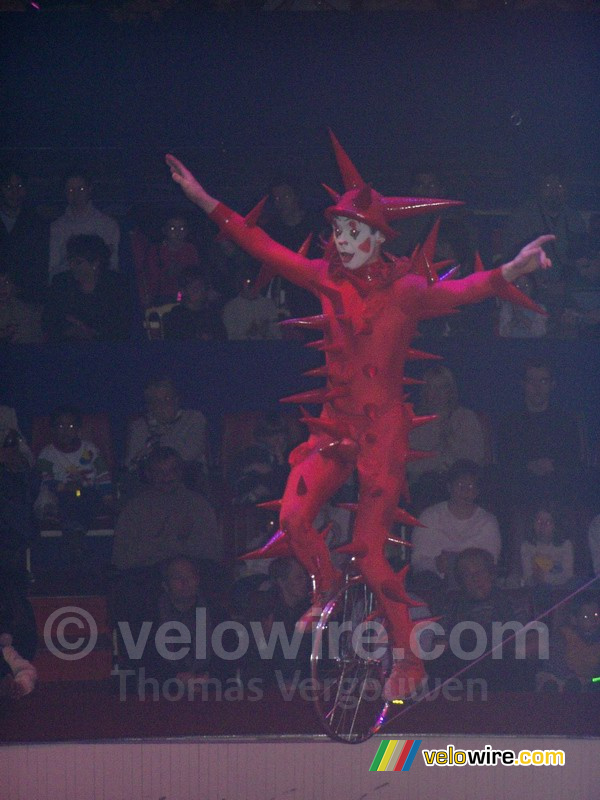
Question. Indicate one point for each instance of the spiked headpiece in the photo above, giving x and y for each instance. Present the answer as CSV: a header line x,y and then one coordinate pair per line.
x,y
361,202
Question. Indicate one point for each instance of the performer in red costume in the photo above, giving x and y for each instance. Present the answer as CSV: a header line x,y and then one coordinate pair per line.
x,y
371,306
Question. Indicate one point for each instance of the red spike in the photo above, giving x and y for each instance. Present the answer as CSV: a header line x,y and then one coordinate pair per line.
x,y
270,505
317,425
252,217
324,346
416,422
395,589
326,530
319,321
318,372
304,247
353,549
264,278
317,395
510,292
401,207
363,200
412,382
400,515
334,295
335,196
416,355
478,263
277,546
350,175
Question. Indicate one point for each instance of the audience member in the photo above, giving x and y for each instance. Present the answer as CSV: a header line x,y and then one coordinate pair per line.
x,y
455,434
24,237
275,607
81,218
548,211
457,237
18,637
87,302
193,317
516,322
452,526
10,435
19,486
291,222
546,556
575,649
581,316
19,321
539,446
166,519
165,424
250,315
261,470
164,262
479,602
76,483
182,605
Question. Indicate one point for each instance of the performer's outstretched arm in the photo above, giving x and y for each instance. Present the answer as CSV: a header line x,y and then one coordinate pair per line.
x,y
496,282
296,268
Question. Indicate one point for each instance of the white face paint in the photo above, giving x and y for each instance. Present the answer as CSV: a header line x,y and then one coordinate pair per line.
x,y
355,242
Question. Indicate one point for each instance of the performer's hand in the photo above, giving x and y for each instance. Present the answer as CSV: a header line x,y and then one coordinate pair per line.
x,y
531,257
191,188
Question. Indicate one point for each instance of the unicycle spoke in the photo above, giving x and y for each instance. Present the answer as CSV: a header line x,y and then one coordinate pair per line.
x,y
350,661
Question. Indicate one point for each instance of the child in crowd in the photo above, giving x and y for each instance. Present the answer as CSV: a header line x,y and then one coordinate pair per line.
x,y
194,317
164,262
76,483
547,556
575,650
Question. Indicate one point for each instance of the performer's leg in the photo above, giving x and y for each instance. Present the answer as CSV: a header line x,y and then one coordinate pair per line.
x,y
311,483
374,519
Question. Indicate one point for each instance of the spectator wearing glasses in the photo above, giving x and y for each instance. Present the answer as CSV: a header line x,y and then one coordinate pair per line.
x,y
81,217
452,526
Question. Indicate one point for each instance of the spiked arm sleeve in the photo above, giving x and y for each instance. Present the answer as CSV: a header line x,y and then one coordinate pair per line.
x,y
443,296
305,272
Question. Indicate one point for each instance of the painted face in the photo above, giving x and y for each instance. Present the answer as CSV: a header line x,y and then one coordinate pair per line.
x,y
355,242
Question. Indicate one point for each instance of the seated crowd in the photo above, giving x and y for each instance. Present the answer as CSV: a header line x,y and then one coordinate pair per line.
x,y
487,551
73,277
507,506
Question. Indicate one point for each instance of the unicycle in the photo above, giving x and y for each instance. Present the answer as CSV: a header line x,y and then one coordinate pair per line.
x,y
350,661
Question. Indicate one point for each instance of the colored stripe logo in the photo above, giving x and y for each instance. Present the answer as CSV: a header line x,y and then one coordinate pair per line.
x,y
395,755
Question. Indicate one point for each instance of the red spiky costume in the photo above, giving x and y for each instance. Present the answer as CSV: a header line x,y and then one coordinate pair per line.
x,y
369,318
